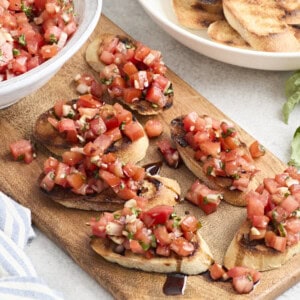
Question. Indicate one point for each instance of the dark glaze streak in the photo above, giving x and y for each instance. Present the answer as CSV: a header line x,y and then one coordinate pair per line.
x,y
153,168
175,284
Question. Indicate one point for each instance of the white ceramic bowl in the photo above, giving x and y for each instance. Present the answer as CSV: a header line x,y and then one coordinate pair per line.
x,y
14,89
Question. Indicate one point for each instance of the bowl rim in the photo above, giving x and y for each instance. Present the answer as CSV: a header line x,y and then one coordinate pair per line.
x,y
74,44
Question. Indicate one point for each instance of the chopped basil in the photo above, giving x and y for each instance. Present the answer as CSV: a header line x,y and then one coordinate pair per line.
x,y
117,216
52,39
292,93
235,176
106,81
145,246
209,170
122,125
22,40
154,105
130,235
205,200
52,175
16,52
96,174
281,230
229,132
21,157
122,186
295,149
169,91
26,9
153,241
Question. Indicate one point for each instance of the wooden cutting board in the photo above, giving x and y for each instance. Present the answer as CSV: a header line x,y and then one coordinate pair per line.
x,y
67,226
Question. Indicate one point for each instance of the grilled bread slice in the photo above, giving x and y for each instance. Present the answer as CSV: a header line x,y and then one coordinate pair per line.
x,y
261,23
158,190
253,254
92,55
56,142
198,263
221,32
213,6
218,183
195,14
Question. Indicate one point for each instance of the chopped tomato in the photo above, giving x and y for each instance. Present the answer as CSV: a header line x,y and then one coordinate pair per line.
x,y
157,215
75,180
243,284
153,128
216,271
208,200
50,164
131,94
257,150
133,131
22,150
72,158
182,247
170,154
240,271
276,242
88,100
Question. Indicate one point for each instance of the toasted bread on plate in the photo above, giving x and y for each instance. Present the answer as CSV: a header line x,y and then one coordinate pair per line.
x,y
221,32
261,23
194,14
213,6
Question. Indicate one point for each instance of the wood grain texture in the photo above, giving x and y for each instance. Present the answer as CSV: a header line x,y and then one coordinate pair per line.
x,y
67,226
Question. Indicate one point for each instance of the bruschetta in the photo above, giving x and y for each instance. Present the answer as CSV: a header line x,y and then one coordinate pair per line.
x,y
131,73
270,235
103,183
213,151
86,123
152,240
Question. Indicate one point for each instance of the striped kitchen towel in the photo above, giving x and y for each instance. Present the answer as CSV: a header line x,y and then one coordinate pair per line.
x,y
18,278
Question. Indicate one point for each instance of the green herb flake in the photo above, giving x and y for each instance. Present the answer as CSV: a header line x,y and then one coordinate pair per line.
x,y
26,9
145,246
22,40
117,216
52,39
292,93
130,235
209,170
16,52
295,149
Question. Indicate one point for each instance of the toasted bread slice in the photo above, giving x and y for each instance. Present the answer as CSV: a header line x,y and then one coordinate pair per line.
x,y
92,55
213,6
253,254
198,263
193,15
56,143
261,23
218,183
158,190
221,32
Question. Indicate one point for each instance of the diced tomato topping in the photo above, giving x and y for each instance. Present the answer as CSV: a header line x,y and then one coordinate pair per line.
x,y
257,150
157,215
153,128
243,284
208,200
133,131
216,271
170,154
22,150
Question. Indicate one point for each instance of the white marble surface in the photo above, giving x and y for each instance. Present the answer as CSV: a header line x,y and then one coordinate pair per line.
x,y
251,98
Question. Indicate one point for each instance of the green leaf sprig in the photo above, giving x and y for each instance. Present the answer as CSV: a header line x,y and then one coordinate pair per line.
x,y
292,92
295,149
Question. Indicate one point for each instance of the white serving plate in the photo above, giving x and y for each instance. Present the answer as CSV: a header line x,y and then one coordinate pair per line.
x,y
161,11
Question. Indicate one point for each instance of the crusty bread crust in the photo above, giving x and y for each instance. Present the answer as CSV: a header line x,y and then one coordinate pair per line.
x,y
198,263
124,149
221,32
158,190
221,184
255,255
193,15
261,23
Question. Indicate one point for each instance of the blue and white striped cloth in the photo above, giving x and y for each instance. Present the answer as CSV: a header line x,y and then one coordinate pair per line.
x,y
18,278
